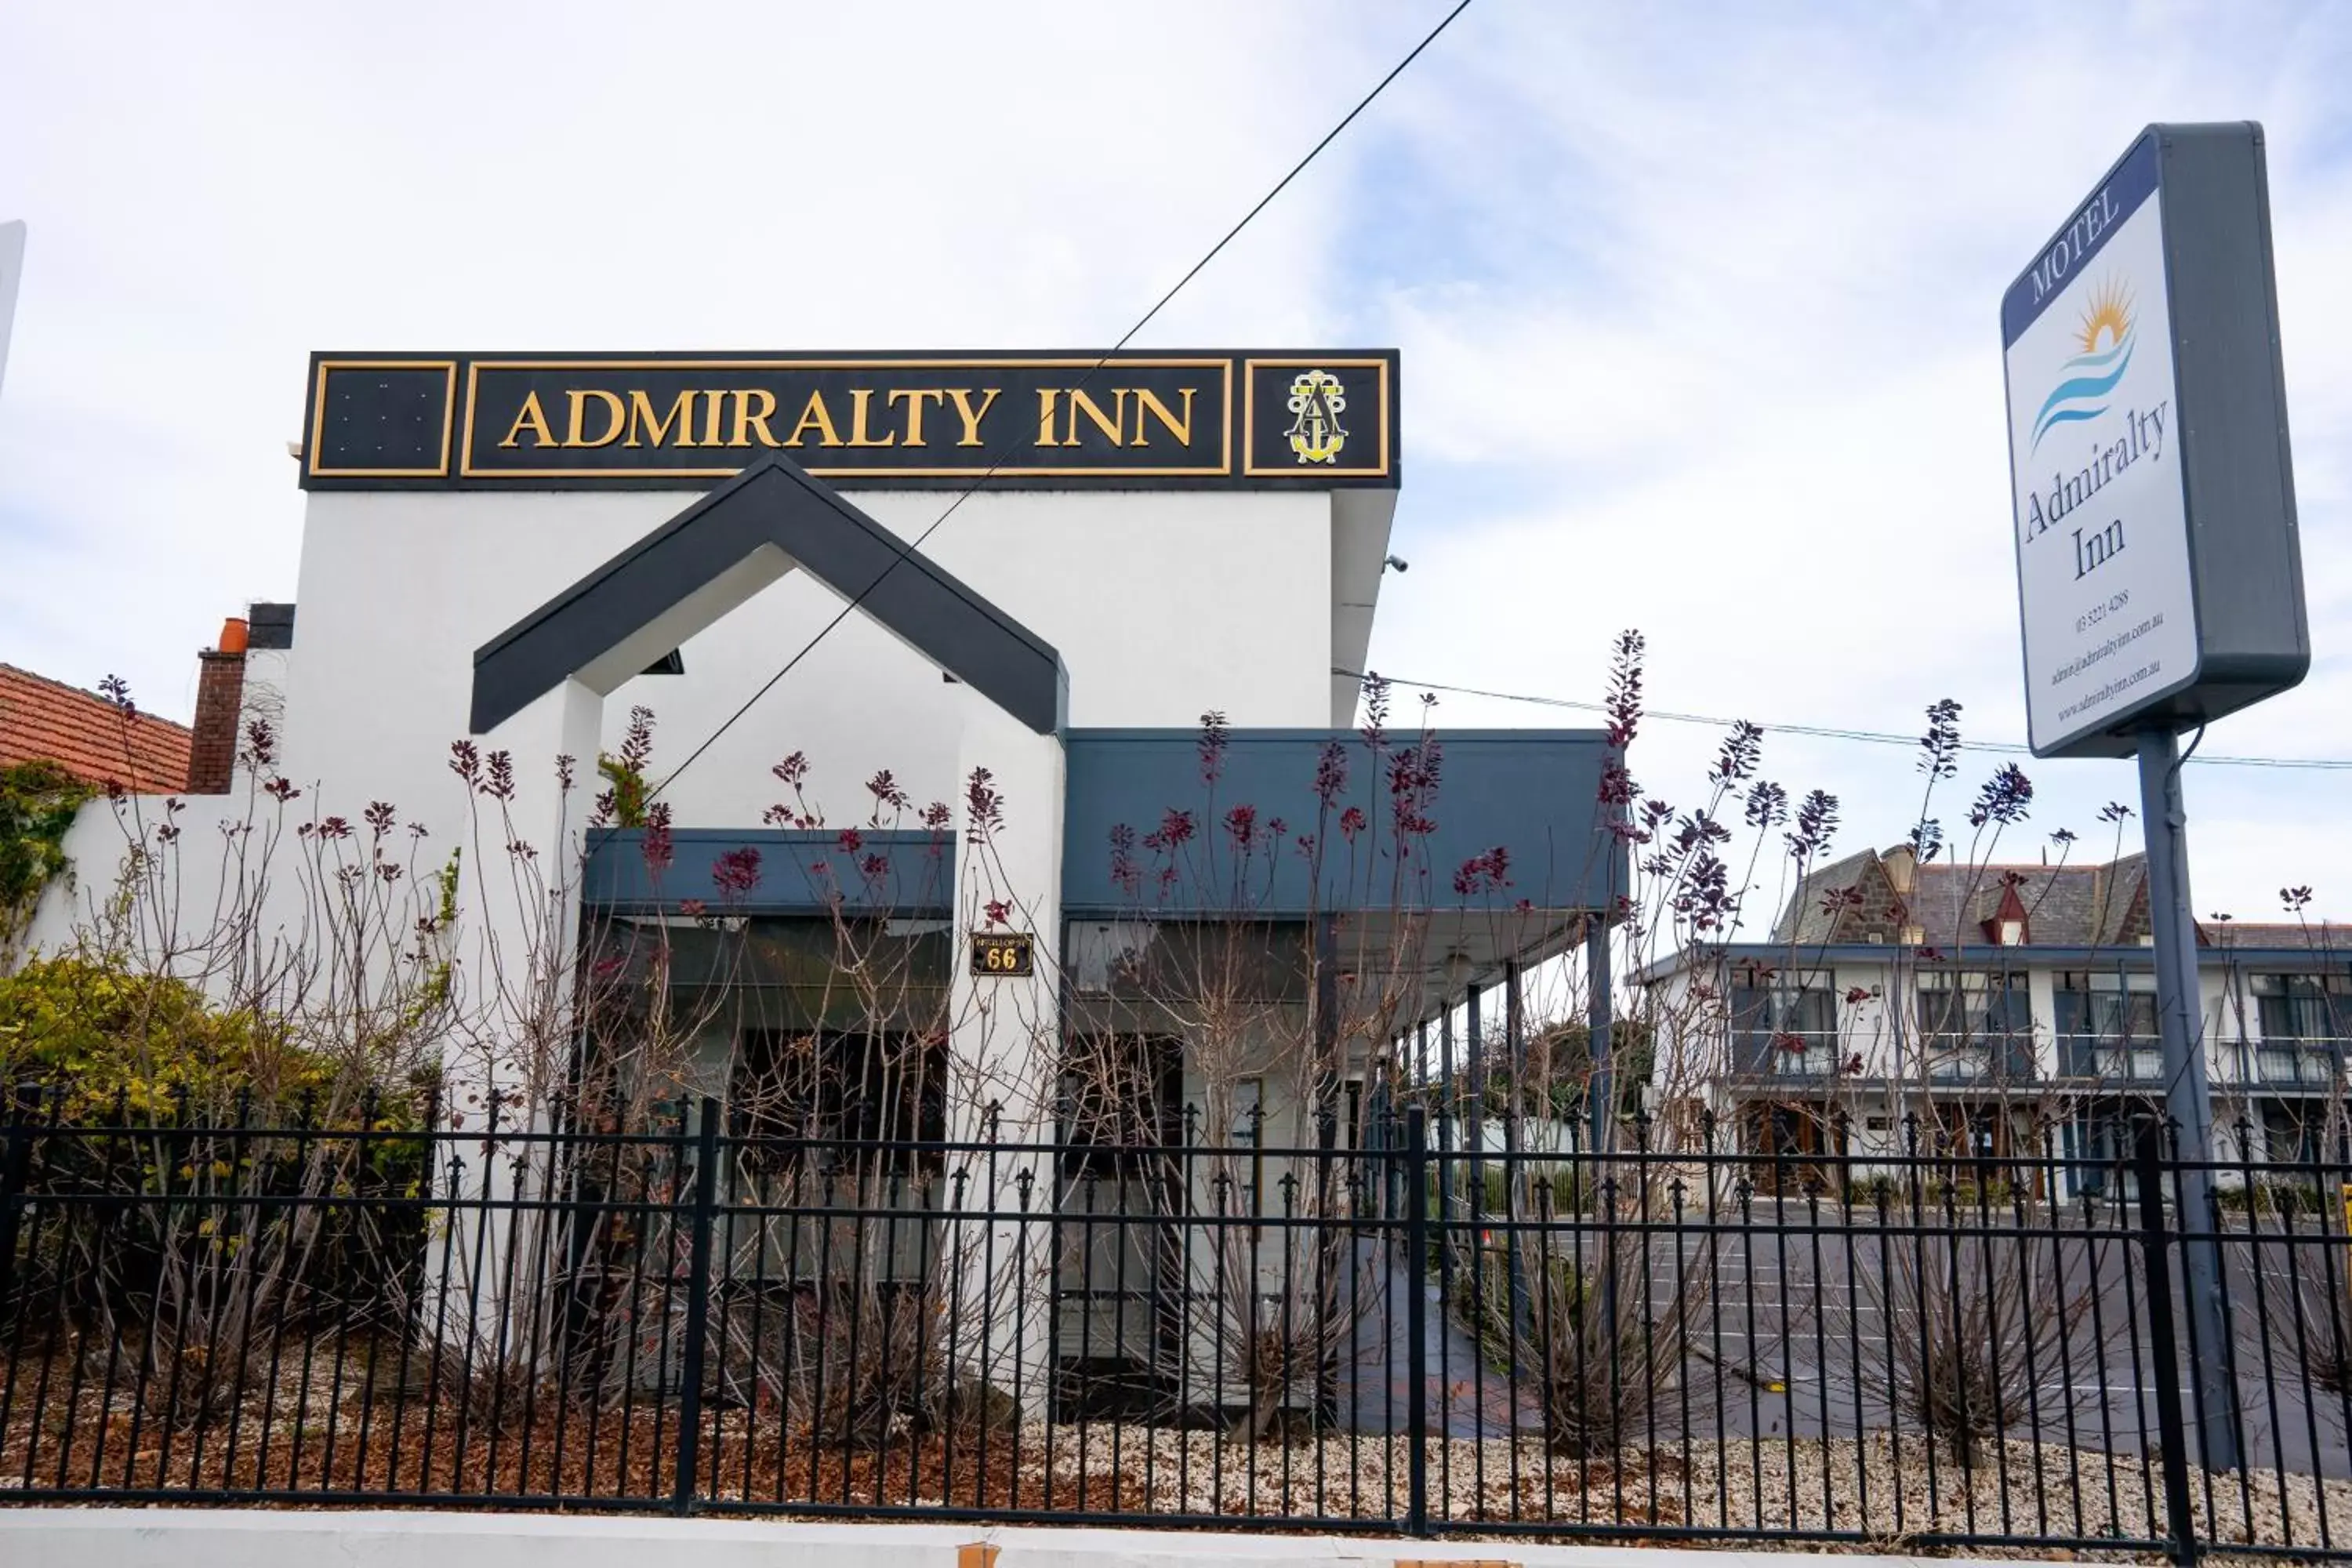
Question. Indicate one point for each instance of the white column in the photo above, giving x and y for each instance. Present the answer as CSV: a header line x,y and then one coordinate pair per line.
x,y
512,949
1004,1048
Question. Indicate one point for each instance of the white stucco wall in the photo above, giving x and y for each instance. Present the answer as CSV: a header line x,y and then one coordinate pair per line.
x,y
1162,605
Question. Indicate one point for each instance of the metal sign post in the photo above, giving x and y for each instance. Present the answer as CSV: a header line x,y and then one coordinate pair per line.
x,y
2187,1099
2160,576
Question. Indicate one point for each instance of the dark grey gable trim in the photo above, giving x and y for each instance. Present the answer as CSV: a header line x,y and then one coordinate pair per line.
x,y
773,502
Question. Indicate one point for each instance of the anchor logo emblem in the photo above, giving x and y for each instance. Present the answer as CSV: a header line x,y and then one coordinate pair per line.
x,y
1316,401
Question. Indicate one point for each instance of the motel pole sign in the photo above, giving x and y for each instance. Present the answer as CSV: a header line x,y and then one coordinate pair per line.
x,y
2159,582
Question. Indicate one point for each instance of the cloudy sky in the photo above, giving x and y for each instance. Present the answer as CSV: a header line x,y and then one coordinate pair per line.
x,y
1697,305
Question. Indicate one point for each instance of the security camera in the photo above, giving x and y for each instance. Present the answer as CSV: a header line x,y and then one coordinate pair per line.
x,y
1394,564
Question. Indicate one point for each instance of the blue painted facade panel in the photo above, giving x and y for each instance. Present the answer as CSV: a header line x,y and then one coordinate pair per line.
x,y
907,874
1294,821
1534,794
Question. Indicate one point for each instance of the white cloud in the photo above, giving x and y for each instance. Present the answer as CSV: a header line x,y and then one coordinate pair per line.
x,y
1744,390
215,192
1697,303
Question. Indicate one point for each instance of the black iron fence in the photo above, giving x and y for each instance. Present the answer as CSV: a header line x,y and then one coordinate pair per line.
x,y
1930,1346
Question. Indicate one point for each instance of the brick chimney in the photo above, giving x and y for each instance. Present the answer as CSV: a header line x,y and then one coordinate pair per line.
x,y
220,699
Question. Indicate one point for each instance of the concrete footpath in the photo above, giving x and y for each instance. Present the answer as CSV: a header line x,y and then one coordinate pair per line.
x,y
190,1538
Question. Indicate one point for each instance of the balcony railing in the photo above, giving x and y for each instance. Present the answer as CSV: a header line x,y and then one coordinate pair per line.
x,y
2114,1061
2279,1064
1785,1054
1978,1059
2295,1064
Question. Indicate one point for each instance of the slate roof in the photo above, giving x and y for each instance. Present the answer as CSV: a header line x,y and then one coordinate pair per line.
x,y
1805,921
2094,905
2071,906
40,718
2074,906
2319,936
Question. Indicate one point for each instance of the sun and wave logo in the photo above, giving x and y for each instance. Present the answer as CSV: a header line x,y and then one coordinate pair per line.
x,y
2086,381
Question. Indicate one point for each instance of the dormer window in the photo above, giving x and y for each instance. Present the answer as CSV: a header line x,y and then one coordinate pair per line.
x,y
2007,927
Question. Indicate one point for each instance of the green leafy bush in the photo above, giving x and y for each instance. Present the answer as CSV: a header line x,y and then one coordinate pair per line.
x,y
270,1186
133,1047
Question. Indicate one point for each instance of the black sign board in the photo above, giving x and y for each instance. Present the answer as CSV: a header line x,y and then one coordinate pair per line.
x,y
1027,421
1004,954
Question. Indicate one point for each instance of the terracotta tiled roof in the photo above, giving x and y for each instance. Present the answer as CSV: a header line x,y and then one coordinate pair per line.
x,y
40,718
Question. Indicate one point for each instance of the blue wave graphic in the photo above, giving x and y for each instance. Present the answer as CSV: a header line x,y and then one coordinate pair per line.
x,y
2078,388
2066,417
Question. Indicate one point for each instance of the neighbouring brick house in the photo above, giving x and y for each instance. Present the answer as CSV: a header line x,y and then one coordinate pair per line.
x,y
42,719
2000,1009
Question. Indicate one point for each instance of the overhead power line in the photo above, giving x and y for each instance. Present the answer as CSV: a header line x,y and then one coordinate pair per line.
x,y
1820,732
1092,371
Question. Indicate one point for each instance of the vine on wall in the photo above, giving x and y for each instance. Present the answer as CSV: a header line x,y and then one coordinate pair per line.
x,y
37,802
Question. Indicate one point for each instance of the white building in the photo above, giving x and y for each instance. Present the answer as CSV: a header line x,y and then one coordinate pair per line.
x,y
850,586
1902,1009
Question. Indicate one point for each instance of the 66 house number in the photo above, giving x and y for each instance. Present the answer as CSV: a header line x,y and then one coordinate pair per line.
x,y
1005,954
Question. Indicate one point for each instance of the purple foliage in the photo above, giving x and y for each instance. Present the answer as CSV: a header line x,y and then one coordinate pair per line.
x,y
1741,750
1484,873
1817,822
735,872
657,846
1215,738
1939,748
983,805
2005,799
1331,774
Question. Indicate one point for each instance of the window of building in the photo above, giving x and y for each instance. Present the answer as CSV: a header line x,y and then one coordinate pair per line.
x,y
1974,1002
1121,1103
2296,1133
1775,1020
2096,1146
2107,1024
841,1128
2106,1005
880,1095
2304,1006
1976,1024
2304,1020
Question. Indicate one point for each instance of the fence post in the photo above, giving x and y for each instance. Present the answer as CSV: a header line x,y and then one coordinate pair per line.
x,y
16,1169
697,1311
1417,1318
2172,1427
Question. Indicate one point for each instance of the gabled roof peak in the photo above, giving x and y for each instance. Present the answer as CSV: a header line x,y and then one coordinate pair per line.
x,y
768,519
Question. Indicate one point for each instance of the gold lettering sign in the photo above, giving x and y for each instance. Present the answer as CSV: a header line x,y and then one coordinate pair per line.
x,y
1015,420
1004,954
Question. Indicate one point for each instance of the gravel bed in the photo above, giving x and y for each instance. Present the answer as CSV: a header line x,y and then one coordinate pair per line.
x,y
1881,1495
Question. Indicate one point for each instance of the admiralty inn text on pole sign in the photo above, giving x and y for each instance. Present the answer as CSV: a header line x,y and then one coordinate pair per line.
x,y
2159,577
